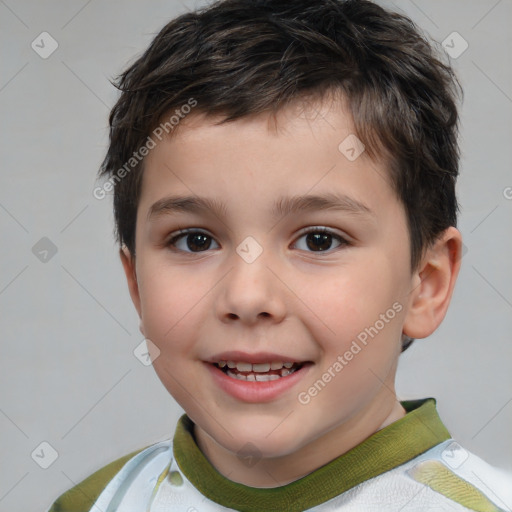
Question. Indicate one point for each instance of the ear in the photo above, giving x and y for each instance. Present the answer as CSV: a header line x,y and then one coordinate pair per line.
x,y
131,276
433,283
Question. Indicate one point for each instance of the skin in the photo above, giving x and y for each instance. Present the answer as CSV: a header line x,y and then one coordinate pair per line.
x,y
293,299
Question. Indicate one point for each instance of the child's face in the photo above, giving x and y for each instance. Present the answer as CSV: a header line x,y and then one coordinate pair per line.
x,y
214,297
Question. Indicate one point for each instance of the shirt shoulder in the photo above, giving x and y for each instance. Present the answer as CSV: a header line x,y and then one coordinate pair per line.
x,y
456,473
82,496
447,477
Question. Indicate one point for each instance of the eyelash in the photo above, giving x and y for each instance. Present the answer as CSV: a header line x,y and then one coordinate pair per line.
x,y
325,231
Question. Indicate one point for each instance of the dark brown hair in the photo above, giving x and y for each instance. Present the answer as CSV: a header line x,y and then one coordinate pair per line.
x,y
242,57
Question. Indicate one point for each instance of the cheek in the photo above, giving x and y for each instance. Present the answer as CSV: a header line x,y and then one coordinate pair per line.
x,y
359,314
352,300
171,304
362,343
169,300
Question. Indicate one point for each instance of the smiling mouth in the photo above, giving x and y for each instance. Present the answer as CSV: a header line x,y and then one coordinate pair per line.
x,y
258,372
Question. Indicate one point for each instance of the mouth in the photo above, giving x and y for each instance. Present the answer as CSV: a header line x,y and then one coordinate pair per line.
x,y
266,378
258,372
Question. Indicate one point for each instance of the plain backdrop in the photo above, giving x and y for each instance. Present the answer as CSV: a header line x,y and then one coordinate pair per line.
x,y
69,376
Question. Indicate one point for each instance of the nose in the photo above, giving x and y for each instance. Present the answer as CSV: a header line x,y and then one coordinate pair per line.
x,y
251,293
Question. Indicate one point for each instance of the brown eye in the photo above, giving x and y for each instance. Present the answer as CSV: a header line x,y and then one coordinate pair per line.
x,y
191,241
320,240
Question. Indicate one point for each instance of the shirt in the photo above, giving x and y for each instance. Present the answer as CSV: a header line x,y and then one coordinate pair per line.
x,y
410,465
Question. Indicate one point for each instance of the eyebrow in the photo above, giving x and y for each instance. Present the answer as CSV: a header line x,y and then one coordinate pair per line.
x,y
283,206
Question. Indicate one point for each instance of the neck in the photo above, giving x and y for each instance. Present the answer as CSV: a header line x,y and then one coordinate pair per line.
x,y
279,471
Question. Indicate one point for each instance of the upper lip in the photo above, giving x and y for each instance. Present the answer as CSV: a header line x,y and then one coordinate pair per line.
x,y
255,358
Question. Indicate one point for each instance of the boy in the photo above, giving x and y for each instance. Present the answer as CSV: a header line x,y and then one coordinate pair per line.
x,y
284,195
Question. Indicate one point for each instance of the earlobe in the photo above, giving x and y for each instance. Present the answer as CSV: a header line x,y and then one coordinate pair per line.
x,y
432,285
131,276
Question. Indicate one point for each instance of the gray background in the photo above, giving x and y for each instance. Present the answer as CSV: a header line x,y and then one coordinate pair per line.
x,y
68,329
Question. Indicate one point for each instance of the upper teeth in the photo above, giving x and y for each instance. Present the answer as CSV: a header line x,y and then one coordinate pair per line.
x,y
257,367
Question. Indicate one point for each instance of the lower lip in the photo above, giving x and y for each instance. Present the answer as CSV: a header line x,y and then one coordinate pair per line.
x,y
254,391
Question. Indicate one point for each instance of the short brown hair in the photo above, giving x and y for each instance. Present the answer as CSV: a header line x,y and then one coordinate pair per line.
x,y
244,57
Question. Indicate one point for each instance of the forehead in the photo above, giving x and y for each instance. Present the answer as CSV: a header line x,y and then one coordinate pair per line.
x,y
307,147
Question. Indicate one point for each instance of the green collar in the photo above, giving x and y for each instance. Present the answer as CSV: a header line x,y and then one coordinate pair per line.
x,y
416,432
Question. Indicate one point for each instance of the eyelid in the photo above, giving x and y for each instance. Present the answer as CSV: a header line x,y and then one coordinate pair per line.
x,y
343,239
185,231
323,229
171,240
